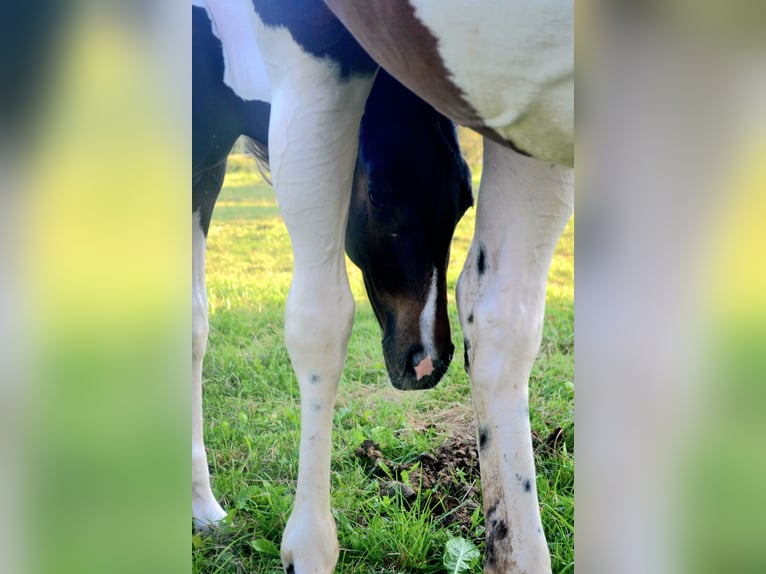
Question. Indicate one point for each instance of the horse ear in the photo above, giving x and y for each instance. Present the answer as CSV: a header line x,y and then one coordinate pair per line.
x,y
465,188
465,185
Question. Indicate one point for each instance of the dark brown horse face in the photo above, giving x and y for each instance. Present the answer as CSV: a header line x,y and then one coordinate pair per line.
x,y
411,187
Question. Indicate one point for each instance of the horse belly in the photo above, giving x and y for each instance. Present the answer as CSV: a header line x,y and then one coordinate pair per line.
x,y
514,63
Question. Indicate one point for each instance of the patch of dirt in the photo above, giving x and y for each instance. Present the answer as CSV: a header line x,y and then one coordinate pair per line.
x,y
447,479
553,443
456,419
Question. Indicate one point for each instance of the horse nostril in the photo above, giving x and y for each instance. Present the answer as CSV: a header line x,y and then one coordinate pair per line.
x,y
416,356
420,362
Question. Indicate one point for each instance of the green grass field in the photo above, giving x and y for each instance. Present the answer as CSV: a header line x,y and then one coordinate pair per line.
x,y
252,409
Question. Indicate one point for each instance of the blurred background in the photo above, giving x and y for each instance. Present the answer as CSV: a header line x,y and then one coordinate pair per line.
x,y
94,200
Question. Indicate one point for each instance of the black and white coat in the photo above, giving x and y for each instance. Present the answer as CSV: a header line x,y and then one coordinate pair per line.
x,y
504,68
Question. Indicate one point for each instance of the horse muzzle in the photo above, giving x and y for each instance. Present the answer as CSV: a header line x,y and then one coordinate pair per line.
x,y
415,368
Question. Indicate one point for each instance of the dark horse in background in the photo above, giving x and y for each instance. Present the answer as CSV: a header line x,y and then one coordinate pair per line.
x,y
410,188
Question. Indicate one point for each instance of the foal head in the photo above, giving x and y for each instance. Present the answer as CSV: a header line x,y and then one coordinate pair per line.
x,y
411,186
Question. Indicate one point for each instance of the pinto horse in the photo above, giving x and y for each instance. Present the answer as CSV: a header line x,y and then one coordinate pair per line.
x,y
504,68
406,150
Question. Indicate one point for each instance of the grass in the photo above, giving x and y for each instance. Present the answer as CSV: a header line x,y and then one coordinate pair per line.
x,y
252,408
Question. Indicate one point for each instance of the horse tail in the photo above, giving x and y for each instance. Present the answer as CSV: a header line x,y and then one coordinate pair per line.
x,y
261,154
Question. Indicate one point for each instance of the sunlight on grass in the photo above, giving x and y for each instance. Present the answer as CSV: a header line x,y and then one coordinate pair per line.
x,y
252,406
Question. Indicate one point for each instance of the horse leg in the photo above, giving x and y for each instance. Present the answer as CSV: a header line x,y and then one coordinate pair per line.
x,y
205,508
313,139
523,206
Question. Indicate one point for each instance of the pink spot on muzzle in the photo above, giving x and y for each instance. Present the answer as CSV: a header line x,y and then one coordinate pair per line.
x,y
424,368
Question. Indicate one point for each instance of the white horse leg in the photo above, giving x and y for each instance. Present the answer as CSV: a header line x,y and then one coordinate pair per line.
x,y
313,139
523,207
205,508
313,190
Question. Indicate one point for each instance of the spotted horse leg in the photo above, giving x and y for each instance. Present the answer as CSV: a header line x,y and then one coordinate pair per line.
x,y
313,140
523,206
205,508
